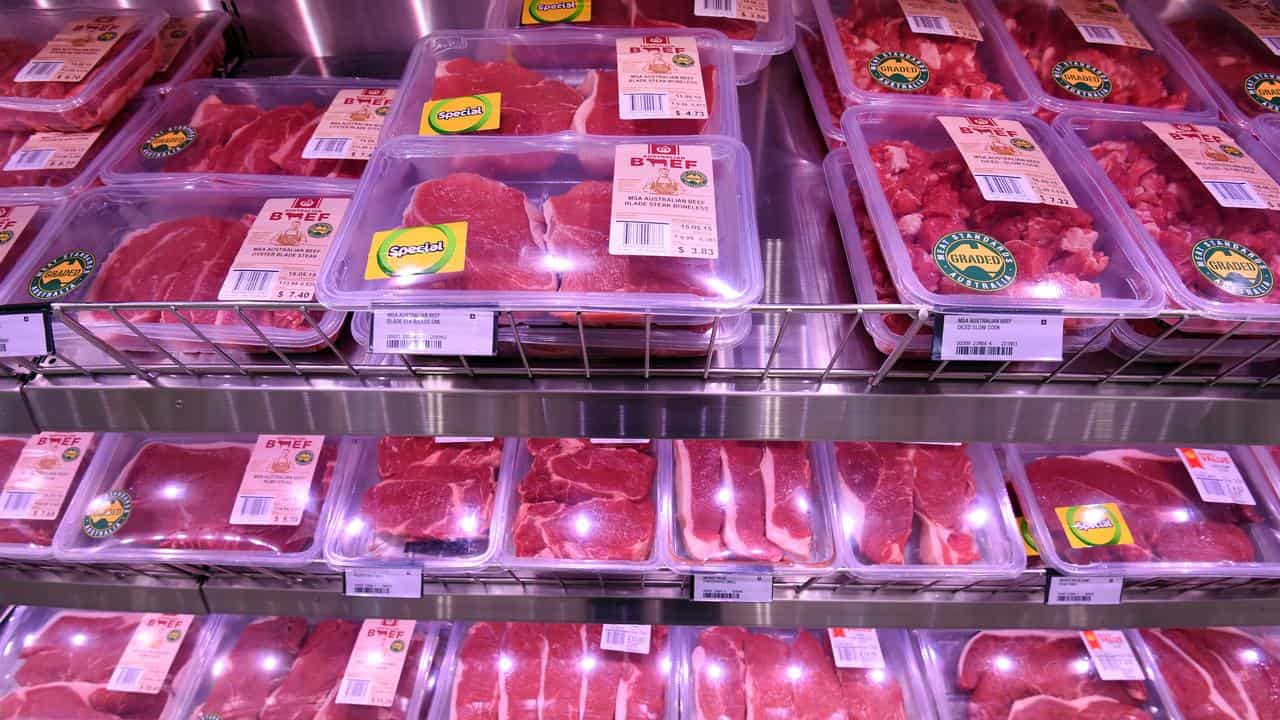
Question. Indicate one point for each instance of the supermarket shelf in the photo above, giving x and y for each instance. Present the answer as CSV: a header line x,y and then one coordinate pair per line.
x,y
100,590
15,417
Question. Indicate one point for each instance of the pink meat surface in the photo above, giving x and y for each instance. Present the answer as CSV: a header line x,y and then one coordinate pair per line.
x,y
572,470
1218,673
678,14
254,667
817,688
698,499
719,675
1228,52
408,456
475,694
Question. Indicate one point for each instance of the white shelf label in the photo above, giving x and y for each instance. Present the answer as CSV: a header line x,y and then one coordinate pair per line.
x,y
387,583
856,648
1216,476
626,638
1084,591
733,588
434,332
1112,656
24,334
453,439
999,337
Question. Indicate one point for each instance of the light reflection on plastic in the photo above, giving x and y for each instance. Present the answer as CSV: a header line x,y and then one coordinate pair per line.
x,y
582,525
354,527
172,492
1081,666
724,496
588,664
1094,515
28,640
504,663
469,524
1180,516
558,264
977,517
79,639
1003,664
877,676
850,524
714,671
794,673
373,658
666,665
803,504
219,667
1250,655
1046,290
720,287
270,662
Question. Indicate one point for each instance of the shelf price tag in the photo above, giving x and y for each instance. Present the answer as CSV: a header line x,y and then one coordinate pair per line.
x,y
1084,591
25,331
732,588
435,332
144,665
383,582
626,638
1216,476
998,337
457,439
856,648
1112,656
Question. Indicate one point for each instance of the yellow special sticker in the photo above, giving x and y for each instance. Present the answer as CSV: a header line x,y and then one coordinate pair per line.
x,y
419,250
544,12
459,115
1028,542
1094,525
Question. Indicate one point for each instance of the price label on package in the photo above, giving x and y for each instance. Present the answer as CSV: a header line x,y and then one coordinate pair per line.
x,y
998,337
1112,656
856,648
144,665
1216,476
374,667
1084,591
733,588
626,638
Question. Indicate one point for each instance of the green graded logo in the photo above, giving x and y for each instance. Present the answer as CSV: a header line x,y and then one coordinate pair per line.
x,y
320,230
168,142
1264,89
106,514
1233,268
1083,79
61,275
899,71
975,261
693,178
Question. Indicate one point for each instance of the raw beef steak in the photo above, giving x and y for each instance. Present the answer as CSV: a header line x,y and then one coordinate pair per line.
x,y
254,668
575,469
409,456
1218,673
1228,52
531,103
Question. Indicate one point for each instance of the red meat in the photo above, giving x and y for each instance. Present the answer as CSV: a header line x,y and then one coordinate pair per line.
x,y
572,470
1218,673
54,700
407,456
679,13
1228,52
955,65
12,142
1047,37
254,667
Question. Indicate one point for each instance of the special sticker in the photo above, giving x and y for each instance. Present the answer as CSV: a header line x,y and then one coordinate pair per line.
x,y
899,71
106,514
458,115
1233,268
420,250
168,142
1264,89
546,12
975,261
61,275
1083,79
1094,525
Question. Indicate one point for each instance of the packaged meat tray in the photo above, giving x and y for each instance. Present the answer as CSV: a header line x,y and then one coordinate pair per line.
x,y
1204,201
22,219
1214,672
1146,512
930,53
72,69
1114,61
761,29
433,502
314,132
1237,66
820,85
562,81
923,512
192,47
259,500
54,166
1025,674
587,505
747,506
41,474
293,667
509,670
179,244
1267,128
738,673
1015,223
543,245
62,664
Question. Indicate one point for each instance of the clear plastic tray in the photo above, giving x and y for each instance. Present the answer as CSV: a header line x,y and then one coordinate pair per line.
x,y
1230,655
68,107
992,548
1206,35
995,74
753,49
1267,128
658,498
1174,532
33,539
281,641
59,184
820,85
1137,65
200,55
1041,652
566,59
902,668
398,167
114,213
222,146
190,521
102,632
352,541
671,663
30,237
719,558
1124,288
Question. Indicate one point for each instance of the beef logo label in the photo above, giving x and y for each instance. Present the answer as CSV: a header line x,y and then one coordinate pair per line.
x,y
421,250
1094,525
1264,89
458,115
538,12
1083,79
106,514
975,261
899,71
168,142
1233,268
61,275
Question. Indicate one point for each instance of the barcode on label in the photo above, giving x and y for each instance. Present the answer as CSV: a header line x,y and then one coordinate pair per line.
x,y
646,105
721,595
253,507
411,342
932,24
254,281
717,6
1007,188
37,71
1215,488
1075,597
857,657
127,678
644,235
1100,33
322,148
16,503
371,589
613,636
29,160
1235,194
1273,42
985,350
355,691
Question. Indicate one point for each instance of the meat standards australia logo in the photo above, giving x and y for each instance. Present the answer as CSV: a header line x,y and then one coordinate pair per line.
x,y
899,71
168,142
1083,79
1094,525
1264,89
106,514
975,261
61,275
556,11
420,250
1233,268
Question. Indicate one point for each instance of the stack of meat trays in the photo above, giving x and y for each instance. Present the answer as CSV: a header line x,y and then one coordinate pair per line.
x,y
556,670
1044,239
820,85
457,222
193,48
751,507
756,34
1030,674
924,512
1215,251
1149,512
291,667
41,474
737,673
63,664
1215,672
432,502
172,244
881,54
1127,67
589,506
237,500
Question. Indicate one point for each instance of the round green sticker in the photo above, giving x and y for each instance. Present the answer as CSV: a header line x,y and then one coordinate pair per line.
x,y
899,71
106,514
1264,89
1233,268
452,116
61,275
1095,525
1083,79
553,11
6,236
975,261
693,178
320,229
168,142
